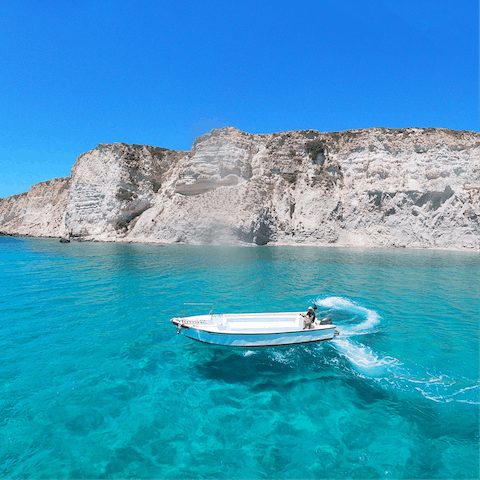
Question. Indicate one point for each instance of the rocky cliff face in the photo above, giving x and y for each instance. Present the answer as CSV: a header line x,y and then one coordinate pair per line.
x,y
112,185
40,212
376,187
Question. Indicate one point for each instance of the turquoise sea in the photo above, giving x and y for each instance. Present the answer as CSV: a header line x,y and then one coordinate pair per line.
x,y
95,382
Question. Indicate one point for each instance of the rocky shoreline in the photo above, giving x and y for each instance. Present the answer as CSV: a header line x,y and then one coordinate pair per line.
x,y
276,244
399,188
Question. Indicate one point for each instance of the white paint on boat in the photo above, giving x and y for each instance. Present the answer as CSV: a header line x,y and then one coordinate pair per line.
x,y
252,329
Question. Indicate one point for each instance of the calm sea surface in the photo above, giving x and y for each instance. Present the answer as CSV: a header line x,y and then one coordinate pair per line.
x,y
95,382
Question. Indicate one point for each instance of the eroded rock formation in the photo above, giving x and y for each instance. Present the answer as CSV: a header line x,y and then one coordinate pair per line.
x,y
40,212
377,187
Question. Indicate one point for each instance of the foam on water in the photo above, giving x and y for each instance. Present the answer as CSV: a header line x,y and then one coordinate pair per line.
x,y
369,318
385,369
96,383
441,389
365,360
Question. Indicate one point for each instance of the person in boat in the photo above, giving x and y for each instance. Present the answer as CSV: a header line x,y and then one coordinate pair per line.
x,y
309,319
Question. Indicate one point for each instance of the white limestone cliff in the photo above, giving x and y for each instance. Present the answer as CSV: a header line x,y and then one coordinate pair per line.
x,y
376,187
112,185
40,212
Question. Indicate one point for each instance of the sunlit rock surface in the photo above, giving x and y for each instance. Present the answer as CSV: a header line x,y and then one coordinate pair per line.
x,y
112,185
40,212
376,187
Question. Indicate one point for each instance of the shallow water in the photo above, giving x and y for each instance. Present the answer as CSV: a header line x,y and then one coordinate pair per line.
x,y
96,383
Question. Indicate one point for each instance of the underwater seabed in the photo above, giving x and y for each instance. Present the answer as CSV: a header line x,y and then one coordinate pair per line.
x,y
96,383
366,412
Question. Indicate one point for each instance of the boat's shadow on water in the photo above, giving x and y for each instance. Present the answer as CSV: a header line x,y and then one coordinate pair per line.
x,y
267,367
282,369
312,369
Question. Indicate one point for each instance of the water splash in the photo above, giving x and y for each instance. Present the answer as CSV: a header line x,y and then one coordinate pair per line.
x,y
440,388
360,321
384,369
365,360
354,320
369,318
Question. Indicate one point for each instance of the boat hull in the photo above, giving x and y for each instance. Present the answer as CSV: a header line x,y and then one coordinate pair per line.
x,y
260,339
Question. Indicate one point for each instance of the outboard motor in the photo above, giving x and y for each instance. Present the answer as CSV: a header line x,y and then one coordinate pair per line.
x,y
326,321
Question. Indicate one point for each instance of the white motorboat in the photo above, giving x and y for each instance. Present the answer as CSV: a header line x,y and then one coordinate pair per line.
x,y
253,329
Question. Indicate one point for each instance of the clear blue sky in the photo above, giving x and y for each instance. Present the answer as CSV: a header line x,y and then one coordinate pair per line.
x,y
74,73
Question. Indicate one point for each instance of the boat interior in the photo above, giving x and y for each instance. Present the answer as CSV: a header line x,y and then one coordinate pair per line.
x,y
249,322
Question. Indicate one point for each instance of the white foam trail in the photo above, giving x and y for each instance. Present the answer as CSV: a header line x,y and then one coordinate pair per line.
x,y
442,389
365,360
390,372
370,317
361,357
475,394
466,389
386,370
280,357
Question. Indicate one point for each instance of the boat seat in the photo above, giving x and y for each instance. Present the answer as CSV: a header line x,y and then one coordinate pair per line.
x,y
234,325
252,318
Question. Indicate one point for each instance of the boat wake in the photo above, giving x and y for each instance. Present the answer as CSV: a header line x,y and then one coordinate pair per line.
x,y
353,312
365,360
354,320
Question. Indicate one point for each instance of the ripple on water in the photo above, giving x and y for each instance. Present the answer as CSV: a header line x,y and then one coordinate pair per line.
x,y
96,384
